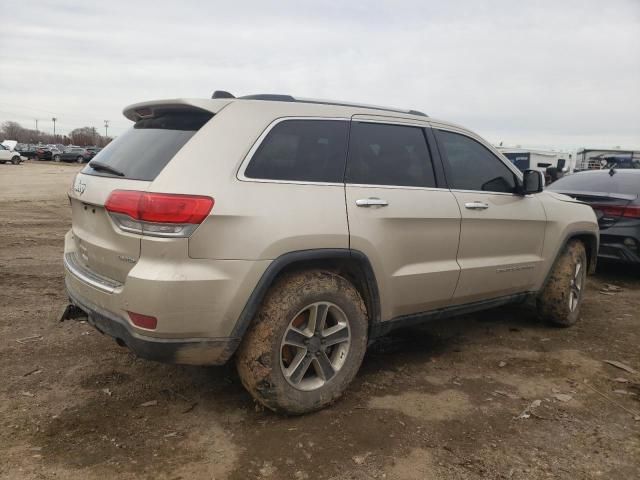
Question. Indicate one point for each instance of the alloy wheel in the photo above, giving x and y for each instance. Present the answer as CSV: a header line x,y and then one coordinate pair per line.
x,y
315,346
575,291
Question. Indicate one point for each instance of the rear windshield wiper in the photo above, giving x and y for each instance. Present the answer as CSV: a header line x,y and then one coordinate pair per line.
x,y
106,168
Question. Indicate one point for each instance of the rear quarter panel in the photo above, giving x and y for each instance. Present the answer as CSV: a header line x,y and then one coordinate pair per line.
x,y
252,220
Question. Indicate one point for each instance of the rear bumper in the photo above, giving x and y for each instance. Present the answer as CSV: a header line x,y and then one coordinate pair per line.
x,y
612,245
196,302
618,252
186,351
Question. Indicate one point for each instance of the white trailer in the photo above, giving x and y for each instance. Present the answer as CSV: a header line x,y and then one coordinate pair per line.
x,y
529,159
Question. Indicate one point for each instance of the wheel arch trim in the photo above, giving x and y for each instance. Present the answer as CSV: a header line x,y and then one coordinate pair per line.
x,y
290,259
591,248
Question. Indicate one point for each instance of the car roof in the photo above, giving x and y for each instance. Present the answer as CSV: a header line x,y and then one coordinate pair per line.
x,y
286,103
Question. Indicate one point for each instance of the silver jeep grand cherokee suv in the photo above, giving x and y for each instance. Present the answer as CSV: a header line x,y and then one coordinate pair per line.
x,y
290,233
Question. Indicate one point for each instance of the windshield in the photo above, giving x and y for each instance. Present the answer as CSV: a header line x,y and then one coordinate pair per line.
x,y
143,151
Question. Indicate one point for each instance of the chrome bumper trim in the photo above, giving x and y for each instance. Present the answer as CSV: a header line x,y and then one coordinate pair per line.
x,y
87,276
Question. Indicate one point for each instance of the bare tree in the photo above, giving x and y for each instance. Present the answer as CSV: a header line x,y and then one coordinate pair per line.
x,y
12,131
83,136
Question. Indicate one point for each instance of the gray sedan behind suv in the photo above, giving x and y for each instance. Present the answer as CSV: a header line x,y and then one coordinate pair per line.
x,y
615,197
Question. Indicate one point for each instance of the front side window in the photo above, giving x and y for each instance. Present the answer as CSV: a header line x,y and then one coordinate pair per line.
x,y
302,150
381,154
471,166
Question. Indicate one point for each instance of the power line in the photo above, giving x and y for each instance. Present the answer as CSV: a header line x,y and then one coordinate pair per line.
x,y
80,119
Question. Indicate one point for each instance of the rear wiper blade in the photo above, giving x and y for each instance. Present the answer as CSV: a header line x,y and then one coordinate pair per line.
x,y
106,168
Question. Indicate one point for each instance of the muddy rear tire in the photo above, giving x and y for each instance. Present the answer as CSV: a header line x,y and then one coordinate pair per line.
x,y
560,301
306,343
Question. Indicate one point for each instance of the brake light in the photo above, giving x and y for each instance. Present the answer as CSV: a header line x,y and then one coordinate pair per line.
x,y
618,211
610,210
160,214
632,212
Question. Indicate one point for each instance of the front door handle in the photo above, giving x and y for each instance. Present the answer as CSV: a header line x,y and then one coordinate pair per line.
x,y
371,202
476,205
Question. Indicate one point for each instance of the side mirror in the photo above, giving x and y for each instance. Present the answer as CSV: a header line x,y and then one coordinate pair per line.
x,y
532,182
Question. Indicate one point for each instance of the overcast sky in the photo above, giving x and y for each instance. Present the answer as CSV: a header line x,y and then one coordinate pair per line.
x,y
553,73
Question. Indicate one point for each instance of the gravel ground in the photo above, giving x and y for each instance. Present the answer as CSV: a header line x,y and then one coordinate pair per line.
x,y
489,395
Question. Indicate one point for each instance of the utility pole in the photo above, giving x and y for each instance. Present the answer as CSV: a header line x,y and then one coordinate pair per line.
x,y
36,124
53,119
106,128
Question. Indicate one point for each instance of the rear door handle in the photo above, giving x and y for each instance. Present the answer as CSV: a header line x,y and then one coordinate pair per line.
x,y
371,202
476,205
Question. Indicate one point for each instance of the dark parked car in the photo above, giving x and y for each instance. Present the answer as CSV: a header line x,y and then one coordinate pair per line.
x,y
615,196
93,151
75,154
48,152
27,150
43,153
622,161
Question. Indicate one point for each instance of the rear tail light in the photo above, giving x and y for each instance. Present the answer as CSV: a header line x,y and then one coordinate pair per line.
x,y
158,214
143,321
632,212
618,210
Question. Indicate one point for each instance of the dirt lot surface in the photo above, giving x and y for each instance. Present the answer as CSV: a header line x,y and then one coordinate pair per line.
x,y
491,395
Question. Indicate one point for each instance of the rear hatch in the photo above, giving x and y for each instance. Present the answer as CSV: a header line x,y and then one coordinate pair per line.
x,y
108,243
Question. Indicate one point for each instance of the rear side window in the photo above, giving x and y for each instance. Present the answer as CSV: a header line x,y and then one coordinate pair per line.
x,y
302,150
599,182
143,151
381,154
471,166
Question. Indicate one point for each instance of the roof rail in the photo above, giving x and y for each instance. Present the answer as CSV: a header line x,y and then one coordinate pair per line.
x,y
270,97
288,98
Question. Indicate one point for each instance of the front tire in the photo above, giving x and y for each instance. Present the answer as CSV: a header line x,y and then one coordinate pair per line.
x,y
56,158
561,298
306,343
15,160
80,159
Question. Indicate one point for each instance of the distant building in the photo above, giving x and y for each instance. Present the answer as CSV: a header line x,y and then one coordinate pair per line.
x,y
594,159
530,159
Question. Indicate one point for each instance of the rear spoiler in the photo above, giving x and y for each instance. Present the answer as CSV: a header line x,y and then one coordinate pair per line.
x,y
141,110
598,195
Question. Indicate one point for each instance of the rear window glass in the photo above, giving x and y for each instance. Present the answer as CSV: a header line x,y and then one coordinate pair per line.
x,y
302,150
620,182
143,151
